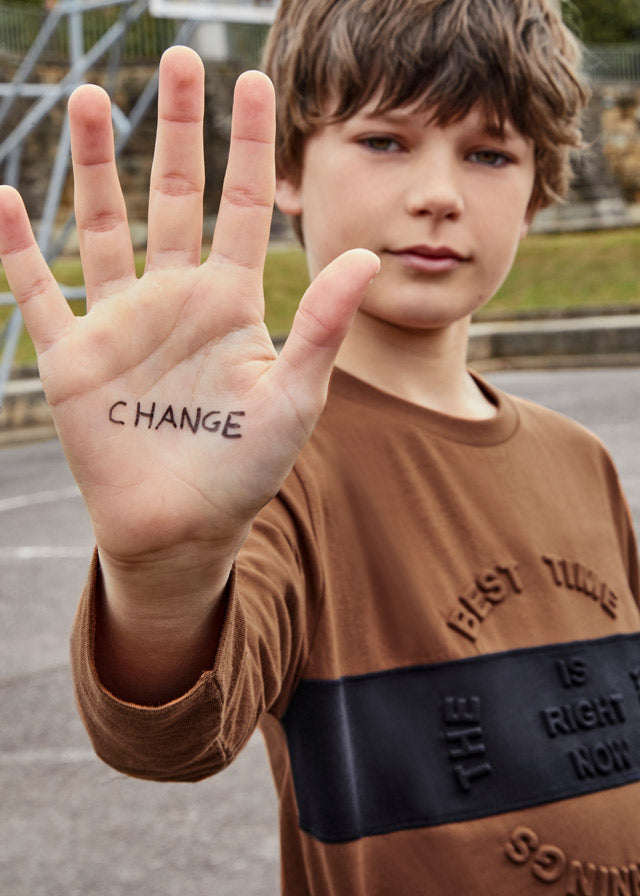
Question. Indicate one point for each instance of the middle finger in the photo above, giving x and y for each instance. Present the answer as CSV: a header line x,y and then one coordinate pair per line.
x,y
177,174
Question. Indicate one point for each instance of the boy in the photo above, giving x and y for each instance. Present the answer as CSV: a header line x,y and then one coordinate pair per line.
x,y
431,606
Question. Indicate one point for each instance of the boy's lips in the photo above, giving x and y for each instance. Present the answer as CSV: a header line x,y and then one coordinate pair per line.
x,y
430,259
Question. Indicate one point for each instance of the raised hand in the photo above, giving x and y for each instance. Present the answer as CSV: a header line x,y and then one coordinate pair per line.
x,y
178,420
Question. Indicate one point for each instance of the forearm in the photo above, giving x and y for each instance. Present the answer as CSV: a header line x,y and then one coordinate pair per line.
x,y
248,669
178,741
157,629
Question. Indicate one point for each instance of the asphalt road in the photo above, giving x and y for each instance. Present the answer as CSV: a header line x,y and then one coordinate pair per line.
x,y
69,826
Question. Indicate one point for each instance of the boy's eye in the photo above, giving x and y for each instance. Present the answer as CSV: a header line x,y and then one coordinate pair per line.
x,y
490,157
379,143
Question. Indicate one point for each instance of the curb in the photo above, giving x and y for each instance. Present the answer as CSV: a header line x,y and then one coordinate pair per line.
x,y
598,341
24,414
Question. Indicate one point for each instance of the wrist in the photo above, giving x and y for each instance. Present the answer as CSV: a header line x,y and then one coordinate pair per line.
x,y
157,627
165,585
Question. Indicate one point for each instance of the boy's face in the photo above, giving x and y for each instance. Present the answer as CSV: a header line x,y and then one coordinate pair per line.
x,y
444,208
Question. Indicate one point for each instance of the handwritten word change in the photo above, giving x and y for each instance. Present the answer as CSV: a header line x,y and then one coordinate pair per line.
x,y
152,417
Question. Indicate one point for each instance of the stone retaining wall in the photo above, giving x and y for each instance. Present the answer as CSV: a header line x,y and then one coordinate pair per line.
x,y
620,119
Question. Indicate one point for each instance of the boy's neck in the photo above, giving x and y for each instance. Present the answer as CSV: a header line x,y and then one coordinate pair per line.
x,y
425,367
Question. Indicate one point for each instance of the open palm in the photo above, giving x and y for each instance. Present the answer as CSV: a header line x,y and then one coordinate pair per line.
x,y
177,417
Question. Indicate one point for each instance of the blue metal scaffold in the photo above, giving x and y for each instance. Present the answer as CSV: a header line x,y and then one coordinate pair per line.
x,y
45,96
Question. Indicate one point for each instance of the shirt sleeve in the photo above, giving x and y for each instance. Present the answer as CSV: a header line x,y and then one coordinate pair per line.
x,y
271,597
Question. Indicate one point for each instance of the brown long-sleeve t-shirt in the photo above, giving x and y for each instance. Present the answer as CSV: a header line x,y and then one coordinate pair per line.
x,y
435,624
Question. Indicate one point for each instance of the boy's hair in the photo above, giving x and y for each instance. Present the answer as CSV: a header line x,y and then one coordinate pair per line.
x,y
330,58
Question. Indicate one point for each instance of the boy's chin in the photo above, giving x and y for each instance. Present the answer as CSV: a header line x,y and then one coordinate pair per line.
x,y
423,320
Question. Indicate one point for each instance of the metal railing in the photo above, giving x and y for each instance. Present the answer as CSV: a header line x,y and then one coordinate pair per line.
x,y
144,41
80,34
80,57
614,63
20,24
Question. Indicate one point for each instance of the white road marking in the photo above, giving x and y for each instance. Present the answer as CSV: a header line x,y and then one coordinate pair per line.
x,y
45,552
44,497
64,755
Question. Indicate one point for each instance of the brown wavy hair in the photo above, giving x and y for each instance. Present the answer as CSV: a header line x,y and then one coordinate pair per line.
x,y
330,58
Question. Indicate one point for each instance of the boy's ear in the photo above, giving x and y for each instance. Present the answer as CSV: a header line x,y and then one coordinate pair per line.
x,y
534,207
288,197
528,220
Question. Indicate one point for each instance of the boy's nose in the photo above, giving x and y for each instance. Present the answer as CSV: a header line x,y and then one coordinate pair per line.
x,y
434,191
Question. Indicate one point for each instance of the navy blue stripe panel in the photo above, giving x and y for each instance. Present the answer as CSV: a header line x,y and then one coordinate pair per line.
x,y
443,743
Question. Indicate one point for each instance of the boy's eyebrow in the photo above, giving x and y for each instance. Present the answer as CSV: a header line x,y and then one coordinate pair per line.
x,y
489,127
501,130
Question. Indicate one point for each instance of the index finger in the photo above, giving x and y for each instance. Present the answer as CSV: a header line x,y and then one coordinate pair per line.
x,y
244,219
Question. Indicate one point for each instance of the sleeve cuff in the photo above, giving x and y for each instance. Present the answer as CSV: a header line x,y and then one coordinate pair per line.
x,y
180,740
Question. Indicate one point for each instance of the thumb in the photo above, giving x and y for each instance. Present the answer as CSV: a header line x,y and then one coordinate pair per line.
x,y
325,314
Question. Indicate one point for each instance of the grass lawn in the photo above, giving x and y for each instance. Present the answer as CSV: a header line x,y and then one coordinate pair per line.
x,y
552,274
561,272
